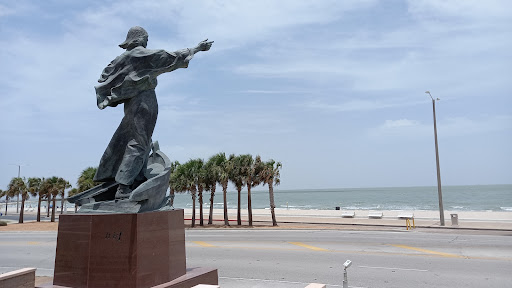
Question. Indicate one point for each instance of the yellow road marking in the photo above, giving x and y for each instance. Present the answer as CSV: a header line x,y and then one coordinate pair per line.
x,y
429,251
33,243
203,244
308,246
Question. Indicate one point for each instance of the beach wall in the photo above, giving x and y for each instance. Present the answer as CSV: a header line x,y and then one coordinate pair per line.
x,y
363,214
317,219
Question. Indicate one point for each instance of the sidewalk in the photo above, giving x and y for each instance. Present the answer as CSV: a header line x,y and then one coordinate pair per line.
x,y
329,219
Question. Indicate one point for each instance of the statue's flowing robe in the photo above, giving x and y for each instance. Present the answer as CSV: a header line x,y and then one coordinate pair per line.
x,y
131,79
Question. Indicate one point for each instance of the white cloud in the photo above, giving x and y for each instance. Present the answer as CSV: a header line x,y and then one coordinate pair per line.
x,y
15,8
273,92
390,124
403,57
360,105
474,9
459,126
235,23
5,11
229,23
401,130
451,127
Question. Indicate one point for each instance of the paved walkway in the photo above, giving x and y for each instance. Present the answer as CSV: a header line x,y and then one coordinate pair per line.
x,y
322,218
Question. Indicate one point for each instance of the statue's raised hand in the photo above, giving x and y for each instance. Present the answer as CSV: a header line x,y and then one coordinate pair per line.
x,y
204,45
103,104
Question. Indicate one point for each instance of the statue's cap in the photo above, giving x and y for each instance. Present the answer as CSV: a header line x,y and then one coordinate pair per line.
x,y
133,35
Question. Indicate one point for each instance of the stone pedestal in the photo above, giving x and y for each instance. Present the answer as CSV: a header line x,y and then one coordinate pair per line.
x,y
124,250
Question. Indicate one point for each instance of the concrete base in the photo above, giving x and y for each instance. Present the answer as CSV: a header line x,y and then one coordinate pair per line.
x,y
193,277
316,285
22,278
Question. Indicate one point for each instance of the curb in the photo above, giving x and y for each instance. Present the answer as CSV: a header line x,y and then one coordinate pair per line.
x,y
352,224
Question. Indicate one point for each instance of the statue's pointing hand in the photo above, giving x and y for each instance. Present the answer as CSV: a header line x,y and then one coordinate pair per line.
x,y
204,45
103,104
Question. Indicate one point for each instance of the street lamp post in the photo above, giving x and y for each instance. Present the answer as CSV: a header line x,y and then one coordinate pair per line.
x,y
439,193
18,195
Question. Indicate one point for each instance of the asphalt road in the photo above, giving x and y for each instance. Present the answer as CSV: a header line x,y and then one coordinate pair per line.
x,y
291,258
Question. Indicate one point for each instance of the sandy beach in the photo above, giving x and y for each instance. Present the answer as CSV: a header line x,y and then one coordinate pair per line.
x,y
326,219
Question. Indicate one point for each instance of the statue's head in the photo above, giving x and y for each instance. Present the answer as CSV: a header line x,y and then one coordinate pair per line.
x,y
136,36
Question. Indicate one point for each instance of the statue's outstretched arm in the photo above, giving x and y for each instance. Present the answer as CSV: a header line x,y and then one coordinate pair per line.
x,y
188,53
183,56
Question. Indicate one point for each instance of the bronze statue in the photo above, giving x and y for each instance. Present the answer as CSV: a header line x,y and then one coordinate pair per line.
x,y
130,79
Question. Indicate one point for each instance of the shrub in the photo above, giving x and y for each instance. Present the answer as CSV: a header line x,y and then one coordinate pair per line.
x,y
3,223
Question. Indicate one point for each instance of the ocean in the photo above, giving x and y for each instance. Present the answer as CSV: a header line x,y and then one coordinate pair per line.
x,y
456,198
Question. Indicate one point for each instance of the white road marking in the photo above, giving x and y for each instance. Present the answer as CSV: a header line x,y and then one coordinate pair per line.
x,y
394,268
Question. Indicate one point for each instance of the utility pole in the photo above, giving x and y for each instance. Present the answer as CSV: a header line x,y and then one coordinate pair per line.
x,y
439,193
18,194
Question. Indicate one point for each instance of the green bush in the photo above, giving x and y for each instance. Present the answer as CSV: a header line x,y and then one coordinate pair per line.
x,y
3,223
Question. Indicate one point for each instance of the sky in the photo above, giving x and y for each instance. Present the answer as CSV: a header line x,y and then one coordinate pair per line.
x,y
334,90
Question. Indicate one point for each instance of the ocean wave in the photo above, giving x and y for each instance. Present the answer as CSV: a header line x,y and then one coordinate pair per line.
x,y
214,204
295,208
506,208
378,207
388,207
300,207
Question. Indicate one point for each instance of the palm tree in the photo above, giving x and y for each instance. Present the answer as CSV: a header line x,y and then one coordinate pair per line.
x,y
2,194
47,188
44,194
9,194
85,180
201,183
174,166
17,194
177,180
55,185
269,174
248,173
34,187
182,180
194,170
213,169
65,185
225,171
73,192
50,186
236,176
17,186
